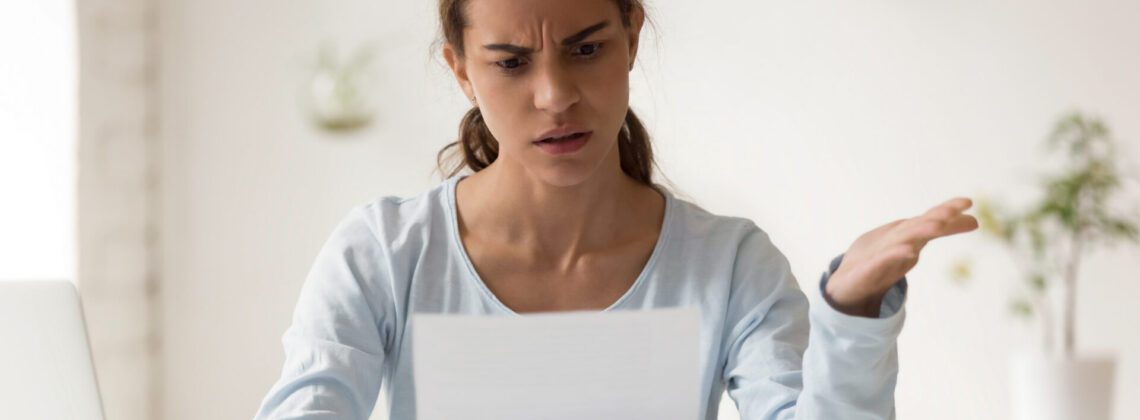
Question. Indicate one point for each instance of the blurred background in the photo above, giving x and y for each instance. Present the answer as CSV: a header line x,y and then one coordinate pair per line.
x,y
183,161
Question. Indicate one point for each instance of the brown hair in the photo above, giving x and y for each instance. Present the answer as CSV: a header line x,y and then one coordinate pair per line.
x,y
477,148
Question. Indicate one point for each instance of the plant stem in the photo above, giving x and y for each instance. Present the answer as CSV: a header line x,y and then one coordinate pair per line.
x,y
1069,298
1069,310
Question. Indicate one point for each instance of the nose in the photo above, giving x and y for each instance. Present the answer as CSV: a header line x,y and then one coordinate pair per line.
x,y
555,89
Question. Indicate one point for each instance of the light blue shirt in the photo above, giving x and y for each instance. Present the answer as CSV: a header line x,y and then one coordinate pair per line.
x,y
393,257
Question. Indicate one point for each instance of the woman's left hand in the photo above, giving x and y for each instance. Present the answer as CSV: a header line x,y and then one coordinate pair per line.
x,y
880,258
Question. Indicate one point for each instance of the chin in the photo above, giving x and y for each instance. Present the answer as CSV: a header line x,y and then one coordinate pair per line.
x,y
579,170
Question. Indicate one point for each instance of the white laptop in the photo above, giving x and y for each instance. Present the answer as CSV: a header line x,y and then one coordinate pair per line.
x,y
45,363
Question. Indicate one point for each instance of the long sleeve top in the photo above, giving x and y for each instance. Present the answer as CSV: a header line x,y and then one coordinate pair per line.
x,y
777,356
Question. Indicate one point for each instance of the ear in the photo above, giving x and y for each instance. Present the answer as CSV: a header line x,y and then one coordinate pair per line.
x,y
459,69
636,19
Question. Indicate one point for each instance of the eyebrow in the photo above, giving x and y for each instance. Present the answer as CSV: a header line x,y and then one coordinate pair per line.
x,y
572,39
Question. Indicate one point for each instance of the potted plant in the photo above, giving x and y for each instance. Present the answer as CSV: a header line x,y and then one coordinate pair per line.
x,y
1047,242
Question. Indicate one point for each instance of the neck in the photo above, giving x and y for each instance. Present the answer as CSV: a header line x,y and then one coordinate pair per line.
x,y
504,202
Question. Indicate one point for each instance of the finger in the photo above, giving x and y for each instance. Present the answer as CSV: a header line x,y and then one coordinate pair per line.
x,y
935,219
951,207
948,214
961,224
929,229
942,220
963,203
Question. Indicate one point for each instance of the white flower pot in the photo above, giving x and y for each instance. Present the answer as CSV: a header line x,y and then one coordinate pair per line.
x,y
1046,388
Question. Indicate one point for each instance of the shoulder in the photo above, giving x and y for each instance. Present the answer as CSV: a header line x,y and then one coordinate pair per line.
x,y
694,224
730,241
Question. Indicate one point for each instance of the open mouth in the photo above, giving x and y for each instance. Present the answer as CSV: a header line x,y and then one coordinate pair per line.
x,y
569,143
549,140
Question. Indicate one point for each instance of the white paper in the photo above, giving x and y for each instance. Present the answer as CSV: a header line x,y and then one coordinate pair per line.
x,y
567,365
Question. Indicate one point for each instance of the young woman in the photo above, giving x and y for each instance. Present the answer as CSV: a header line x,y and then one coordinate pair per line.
x,y
560,213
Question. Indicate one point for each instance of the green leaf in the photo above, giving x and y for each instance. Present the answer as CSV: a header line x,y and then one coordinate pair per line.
x,y
1021,308
1114,228
1125,229
1037,241
1097,128
1036,282
1074,204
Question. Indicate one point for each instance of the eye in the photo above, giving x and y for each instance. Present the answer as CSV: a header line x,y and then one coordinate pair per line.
x,y
509,64
588,50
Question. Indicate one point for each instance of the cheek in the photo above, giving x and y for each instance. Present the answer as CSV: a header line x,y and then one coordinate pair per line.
x,y
503,105
610,72
607,86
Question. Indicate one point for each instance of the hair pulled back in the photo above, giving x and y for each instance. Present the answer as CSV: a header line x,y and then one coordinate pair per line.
x,y
476,148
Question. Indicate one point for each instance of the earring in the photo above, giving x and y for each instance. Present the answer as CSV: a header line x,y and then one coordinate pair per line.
x,y
473,100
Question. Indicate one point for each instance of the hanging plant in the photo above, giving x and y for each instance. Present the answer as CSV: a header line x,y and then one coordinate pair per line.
x,y
340,95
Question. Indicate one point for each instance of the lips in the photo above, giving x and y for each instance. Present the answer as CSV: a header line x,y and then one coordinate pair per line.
x,y
564,130
565,145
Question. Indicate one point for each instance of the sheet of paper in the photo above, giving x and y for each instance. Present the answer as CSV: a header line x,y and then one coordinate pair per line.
x,y
553,366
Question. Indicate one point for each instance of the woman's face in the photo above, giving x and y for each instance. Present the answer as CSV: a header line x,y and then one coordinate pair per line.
x,y
541,65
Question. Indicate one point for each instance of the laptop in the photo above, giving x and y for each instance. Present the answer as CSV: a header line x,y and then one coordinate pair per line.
x,y
45,362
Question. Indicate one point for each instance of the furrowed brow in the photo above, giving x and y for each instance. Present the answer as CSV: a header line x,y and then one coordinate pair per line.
x,y
572,39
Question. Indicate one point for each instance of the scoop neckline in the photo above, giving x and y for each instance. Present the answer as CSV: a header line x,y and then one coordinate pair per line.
x,y
461,250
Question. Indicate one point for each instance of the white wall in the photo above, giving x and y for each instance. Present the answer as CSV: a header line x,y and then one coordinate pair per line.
x,y
37,140
818,120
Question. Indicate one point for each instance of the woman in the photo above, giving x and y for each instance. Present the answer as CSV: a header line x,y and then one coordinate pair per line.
x,y
561,214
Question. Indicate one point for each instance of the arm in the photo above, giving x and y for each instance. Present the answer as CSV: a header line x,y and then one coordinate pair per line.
x,y
786,360
335,348
853,360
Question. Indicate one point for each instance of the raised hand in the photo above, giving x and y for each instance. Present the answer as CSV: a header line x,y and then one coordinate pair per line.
x,y
879,258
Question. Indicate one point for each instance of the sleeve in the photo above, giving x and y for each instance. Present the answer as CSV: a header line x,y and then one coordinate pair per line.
x,y
786,360
335,348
